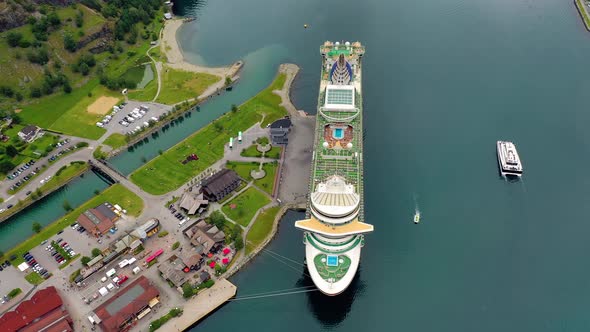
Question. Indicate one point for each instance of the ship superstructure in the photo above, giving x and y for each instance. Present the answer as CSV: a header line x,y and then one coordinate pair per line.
x,y
334,224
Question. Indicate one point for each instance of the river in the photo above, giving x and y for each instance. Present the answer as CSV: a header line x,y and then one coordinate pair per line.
x,y
442,82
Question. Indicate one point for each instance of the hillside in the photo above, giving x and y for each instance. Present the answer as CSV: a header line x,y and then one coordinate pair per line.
x,y
64,54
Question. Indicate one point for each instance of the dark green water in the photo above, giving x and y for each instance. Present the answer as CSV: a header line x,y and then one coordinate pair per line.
x,y
443,80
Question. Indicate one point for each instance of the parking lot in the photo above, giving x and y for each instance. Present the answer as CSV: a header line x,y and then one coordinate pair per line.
x,y
129,118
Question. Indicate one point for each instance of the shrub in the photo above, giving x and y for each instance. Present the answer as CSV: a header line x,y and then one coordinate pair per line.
x,y
13,293
95,252
13,38
85,260
36,227
81,145
162,234
175,245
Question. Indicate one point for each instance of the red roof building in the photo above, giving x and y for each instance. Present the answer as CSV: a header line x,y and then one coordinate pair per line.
x,y
44,310
99,220
126,306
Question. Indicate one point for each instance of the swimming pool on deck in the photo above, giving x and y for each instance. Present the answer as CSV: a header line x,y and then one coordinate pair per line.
x,y
332,260
338,133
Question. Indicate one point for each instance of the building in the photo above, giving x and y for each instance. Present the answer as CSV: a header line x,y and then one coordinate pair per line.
x,y
45,311
172,270
204,236
131,303
149,228
30,133
193,203
220,184
204,276
191,260
279,131
99,220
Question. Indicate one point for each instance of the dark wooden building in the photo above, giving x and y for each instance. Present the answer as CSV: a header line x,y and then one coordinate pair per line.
x,y
220,184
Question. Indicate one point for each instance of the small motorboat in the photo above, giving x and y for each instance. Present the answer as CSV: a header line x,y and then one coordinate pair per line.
x,y
417,217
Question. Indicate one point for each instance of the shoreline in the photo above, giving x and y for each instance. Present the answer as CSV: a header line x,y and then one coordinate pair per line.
x,y
583,13
176,59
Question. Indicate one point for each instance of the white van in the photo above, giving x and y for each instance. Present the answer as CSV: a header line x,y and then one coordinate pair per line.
x,y
136,270
111,273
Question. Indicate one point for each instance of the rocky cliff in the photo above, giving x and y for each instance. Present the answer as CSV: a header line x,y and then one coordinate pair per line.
x,y
14,14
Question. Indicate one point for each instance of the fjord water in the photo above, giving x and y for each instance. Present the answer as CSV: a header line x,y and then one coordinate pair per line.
x,y
443,80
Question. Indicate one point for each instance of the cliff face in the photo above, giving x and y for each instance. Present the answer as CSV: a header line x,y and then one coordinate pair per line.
x,y
14,14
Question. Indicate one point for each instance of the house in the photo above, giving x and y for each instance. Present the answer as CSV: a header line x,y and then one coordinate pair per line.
x,y
191,260
45,311
30,133
279,130
191,203
99,220
120,312
171,270
204,236
220,184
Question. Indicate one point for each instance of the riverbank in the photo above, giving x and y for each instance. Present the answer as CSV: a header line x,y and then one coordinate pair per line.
x,y
583,11
75,169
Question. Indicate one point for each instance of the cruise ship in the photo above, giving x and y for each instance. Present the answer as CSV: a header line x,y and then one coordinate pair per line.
x,y
508,159
334,227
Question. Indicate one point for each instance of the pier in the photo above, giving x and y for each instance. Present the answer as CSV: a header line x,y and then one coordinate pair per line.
x,y
203,304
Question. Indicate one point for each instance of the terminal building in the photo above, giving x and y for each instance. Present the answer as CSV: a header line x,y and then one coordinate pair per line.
x,y
126,307
45,311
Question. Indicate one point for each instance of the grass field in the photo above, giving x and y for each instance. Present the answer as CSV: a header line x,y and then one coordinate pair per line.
x,y
115,141
178,85
267,182
116,194
244,168
67,113
166,172
261,228
34,278
251,151
247,203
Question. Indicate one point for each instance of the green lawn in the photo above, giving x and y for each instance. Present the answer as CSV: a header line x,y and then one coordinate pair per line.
x,y
116,194
251,151
274,152
261,228
267,182
178,85
246,205
116,140
244,168
166,172
34,278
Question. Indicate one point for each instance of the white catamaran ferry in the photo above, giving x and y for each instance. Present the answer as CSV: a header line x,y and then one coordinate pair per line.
x,y
508,159
335,225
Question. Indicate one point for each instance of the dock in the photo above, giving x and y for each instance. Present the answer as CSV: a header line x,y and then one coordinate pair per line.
x,y
202,305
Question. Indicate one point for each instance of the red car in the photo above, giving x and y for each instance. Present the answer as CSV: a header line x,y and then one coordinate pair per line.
x,y
64,244
122,279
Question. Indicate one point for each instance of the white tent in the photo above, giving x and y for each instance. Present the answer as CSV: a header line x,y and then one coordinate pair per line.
x,y
103,291
23,266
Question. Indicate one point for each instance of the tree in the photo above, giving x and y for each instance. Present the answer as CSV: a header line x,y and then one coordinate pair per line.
x,y
36,227
96,191
187,290
6,166
85,260
80,19
84,70
228,81
95,252
234,108
53,19
35,92
67,87
13,38
66,205
11,151
69,43
239,243
217,219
